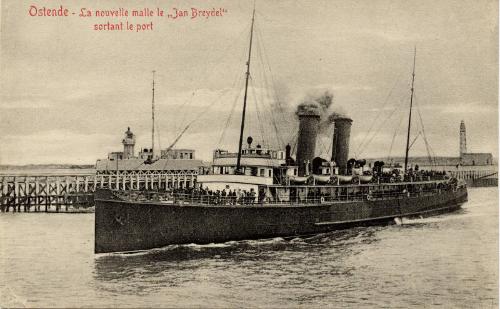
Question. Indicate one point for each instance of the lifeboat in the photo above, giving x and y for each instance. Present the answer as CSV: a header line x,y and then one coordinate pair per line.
x,y
299,179
321,178
365,178
344,178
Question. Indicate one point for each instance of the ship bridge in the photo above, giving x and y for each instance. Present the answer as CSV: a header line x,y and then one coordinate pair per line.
x,y
259,166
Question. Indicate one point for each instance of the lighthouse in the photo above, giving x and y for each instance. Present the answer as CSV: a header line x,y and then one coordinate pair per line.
x,y
128,144
463,140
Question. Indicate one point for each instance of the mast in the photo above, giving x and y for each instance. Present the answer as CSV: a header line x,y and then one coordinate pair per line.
x,y
411,105
153,118
238,162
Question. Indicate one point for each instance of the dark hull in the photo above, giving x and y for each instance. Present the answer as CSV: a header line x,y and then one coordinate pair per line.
x,y
130,226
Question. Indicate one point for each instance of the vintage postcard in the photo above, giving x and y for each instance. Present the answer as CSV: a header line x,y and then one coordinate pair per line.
x,y
249,153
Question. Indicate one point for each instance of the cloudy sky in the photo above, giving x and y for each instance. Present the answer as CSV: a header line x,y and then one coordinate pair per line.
x,y
68,92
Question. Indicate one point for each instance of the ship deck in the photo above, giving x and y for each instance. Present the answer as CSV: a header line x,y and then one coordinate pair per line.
x,y
296,196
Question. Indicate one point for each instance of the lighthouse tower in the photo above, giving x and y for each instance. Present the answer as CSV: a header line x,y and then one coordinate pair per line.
x,y
128,144
463,139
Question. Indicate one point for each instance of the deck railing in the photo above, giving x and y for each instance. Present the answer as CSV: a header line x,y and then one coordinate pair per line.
x,y
196,198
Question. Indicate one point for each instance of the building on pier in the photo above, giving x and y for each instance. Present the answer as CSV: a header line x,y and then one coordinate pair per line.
x,y
186,154
465,159
147,153
471,158
138,174
175,168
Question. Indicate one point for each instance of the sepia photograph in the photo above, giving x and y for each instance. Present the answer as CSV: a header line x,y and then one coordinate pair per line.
x,y
249,154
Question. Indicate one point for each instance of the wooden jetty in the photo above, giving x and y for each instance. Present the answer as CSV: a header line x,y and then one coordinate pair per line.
x,y
477,178
75,193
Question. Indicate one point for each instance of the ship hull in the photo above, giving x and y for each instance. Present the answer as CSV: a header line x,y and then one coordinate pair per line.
x,y
130,226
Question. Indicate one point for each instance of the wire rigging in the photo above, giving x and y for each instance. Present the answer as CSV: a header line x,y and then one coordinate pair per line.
x,y
231,113
277,100
430,157
381,124
394,138
259,120
275,127
380,112
184,107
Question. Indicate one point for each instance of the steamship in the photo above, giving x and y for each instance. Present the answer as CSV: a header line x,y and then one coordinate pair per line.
x,y
258,193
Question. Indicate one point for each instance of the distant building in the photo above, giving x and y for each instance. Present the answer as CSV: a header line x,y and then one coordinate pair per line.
x,y
465,158
471,158
128,152
146,153
137,174
174,154
115,155
186,154
476,159
174,168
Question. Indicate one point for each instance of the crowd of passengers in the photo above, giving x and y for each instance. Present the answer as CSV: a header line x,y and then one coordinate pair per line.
x,y
217,197
244,197
416,172
239,197
413,174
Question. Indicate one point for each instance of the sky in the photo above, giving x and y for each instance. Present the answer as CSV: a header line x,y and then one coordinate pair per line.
x,y
68,92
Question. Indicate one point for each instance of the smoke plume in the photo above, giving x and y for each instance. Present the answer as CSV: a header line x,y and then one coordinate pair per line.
x,y
320,102
316,103
336,115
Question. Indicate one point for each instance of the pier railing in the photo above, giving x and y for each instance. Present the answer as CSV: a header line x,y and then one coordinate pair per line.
x,y
477,178
473,174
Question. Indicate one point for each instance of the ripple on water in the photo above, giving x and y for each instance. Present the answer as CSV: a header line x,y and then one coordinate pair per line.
x,y
449,260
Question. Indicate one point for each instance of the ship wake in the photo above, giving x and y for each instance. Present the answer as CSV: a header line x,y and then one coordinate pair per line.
x,y
422,220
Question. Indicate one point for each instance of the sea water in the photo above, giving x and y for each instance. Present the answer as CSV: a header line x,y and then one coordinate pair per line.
x,y
451,260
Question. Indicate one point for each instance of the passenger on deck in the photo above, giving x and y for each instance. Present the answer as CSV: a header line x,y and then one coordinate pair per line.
x,y
233,197
230,197
239,195
252,196
223,197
